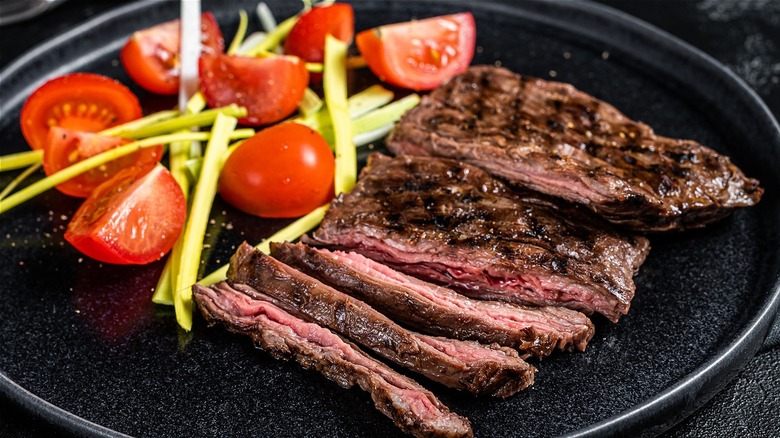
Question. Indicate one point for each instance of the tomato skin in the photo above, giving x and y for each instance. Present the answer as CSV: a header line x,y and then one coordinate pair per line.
x,y
151,56
133,218
283,171
270,88
66,147
420,54
81,101
307,38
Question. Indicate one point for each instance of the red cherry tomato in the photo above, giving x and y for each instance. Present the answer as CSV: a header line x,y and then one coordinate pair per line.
x,y
269,88
133,218
151,56
79,101
66,147
307,38
283,171
420,54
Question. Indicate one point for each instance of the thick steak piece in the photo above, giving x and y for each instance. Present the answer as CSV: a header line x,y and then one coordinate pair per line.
x,y
412,408
453,224
550,137
437,310
466,365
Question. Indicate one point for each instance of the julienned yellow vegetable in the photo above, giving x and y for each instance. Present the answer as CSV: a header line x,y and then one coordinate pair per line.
x,y
19,178
160,123
178,155
202,199
335,86
289,233
90,163
27,158
20,159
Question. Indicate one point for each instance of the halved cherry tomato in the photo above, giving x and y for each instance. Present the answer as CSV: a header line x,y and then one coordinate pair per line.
x,y
420,54
270,88
80,101
307,38
151,56
283,171
133,218
66,147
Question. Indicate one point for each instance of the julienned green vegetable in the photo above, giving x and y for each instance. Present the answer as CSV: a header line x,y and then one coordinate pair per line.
x,y
274,37
374,124
179,154
311,103
334,81
186,121
20,159
359,104
19,178
202,199
238,38
129,127
289,233
27,158
160,123
90,163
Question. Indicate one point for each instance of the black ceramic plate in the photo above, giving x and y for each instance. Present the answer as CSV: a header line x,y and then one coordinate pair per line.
x,y
83,347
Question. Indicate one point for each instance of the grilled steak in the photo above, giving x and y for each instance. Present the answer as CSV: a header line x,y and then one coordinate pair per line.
x,y
437,310
411,407
552,138
452,223
467,365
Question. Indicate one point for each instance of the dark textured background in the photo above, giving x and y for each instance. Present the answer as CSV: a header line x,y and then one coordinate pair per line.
x,y
742,34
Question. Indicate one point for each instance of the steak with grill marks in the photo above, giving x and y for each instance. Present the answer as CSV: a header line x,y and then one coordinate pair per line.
x,y
553,138
436,309
467,365
452,223
412,408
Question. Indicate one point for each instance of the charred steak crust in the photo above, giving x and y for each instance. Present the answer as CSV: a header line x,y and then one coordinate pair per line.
x,y
452,223
412,408
437,310
555,139
466,365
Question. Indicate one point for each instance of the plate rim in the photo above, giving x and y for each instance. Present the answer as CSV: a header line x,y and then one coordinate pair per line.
x,y
672,404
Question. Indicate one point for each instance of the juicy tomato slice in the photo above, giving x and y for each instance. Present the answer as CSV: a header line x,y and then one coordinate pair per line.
x,y
133,218
307,38
281,172
420,54
66,147
80,101
151,56
270,88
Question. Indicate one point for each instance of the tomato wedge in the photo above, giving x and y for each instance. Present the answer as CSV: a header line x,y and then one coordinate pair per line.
x,y
66,147
283,171
307,38
133,218
151,56
270,88
80,101
420,54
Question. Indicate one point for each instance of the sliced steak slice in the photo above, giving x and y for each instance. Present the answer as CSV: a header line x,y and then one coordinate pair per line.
x,y
438,310
453,224
412,408
552,138
470,366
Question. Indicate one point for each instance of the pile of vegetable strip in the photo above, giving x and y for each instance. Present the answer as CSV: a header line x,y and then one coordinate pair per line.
x,y
345,122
